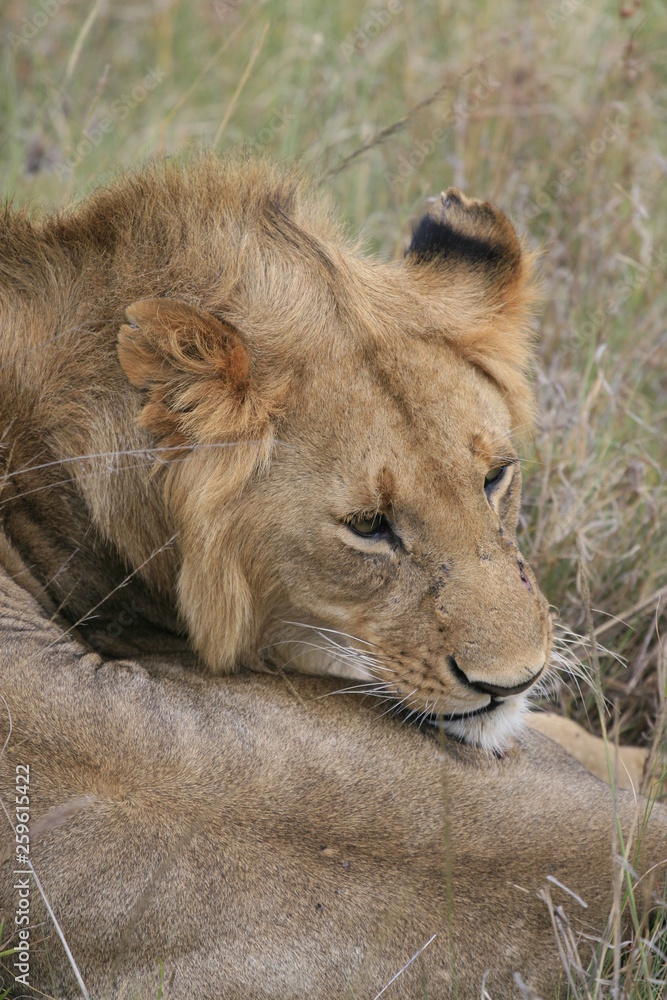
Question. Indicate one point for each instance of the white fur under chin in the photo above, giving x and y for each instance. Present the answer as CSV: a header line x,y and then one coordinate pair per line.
x,y
495,730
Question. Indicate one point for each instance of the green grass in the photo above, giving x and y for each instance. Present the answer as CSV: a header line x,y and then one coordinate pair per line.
x,y
555,111
5,953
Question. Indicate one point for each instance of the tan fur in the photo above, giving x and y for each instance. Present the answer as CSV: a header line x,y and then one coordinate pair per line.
x,y
488,323
627,763
268,385
249,838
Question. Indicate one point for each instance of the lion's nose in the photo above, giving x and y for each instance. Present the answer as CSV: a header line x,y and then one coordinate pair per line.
x,y
497,690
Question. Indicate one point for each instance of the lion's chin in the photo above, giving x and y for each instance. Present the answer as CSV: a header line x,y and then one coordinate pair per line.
x,y
493,728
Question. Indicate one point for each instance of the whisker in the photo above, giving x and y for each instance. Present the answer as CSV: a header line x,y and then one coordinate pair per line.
x,y
148,453
334,631
345,653
375,692
336,656
352,655
399,704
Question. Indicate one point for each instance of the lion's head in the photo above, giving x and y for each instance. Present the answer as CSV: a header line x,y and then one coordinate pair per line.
x,y
336,441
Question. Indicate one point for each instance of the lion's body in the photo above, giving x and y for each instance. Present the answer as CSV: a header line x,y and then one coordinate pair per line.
x,y
251,838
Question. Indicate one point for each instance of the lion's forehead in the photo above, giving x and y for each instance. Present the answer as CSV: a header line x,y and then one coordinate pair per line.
x,y
380,455
403,408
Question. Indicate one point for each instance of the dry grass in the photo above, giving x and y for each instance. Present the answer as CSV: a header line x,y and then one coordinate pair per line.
x,y
554,111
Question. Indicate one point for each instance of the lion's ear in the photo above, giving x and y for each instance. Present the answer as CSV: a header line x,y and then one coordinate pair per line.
x,y
194,369
469,264
463,238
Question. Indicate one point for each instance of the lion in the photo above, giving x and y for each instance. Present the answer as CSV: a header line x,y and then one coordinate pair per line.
x,y
226,429
250,836
229,439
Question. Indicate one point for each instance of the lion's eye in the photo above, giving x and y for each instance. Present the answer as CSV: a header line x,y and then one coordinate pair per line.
x,y
493,477
370,526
